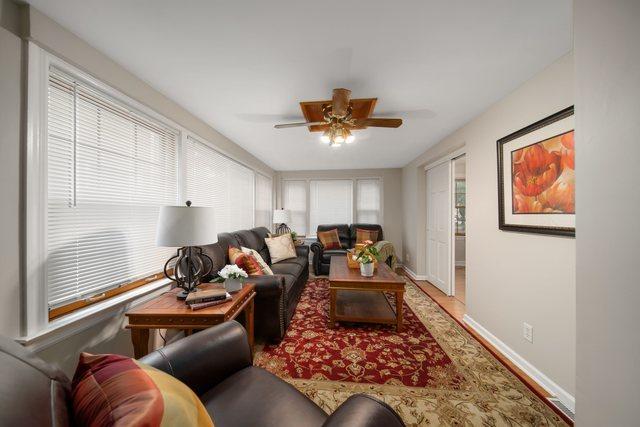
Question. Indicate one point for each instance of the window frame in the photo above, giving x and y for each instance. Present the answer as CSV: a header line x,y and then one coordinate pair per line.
x,y
37,329
311,234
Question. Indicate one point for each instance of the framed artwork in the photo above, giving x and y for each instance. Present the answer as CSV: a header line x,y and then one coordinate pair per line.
x,y
536,177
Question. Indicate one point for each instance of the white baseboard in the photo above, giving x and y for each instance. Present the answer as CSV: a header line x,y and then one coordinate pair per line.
x,y
413,275
545,382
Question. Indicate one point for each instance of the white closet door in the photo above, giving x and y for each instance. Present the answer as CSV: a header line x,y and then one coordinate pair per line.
x,y
439,226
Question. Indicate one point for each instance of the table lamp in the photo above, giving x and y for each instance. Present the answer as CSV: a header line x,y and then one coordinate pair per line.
x,y
280,218
187,228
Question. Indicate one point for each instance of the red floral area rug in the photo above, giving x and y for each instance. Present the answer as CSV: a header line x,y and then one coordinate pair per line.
x,y
432,373
361,353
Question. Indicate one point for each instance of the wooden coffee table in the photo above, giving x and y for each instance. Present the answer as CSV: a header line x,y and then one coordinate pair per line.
x,y
354,298
168,312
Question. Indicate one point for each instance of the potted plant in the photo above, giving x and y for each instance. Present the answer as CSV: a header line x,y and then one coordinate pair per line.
x,y
367,255
233,277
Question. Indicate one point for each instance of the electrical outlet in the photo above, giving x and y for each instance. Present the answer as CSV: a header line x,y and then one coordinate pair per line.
x,y
527,332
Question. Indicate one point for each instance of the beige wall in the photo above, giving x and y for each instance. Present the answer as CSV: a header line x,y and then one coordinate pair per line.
x,y
511,277
391,195
608,200
109,335
10,105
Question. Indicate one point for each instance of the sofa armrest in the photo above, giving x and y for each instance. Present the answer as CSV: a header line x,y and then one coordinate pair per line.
x,y
267,286
361,410
302,250
204,359
317,247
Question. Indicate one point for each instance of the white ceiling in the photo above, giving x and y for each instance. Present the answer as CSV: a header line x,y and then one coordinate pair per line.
x,y
243,66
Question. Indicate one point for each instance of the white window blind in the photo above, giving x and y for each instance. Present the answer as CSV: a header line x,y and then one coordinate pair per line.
x,y
264,201
214,180
294,198
109,169
368,202
331,202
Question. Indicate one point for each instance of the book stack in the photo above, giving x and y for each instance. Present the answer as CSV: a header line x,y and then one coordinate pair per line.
x,y
207,298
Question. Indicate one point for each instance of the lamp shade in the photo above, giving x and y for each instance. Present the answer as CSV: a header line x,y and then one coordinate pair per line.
x,y
281,216
186,226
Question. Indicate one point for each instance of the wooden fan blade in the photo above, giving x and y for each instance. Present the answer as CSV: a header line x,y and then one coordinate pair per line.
x,y
379,123
340,102
295,125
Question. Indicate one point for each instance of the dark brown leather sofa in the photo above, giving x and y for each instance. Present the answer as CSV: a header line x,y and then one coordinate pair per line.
x,y
347,235
215,364
277,295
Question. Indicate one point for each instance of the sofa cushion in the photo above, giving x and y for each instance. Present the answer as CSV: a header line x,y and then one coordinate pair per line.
x,y
363,235
343,233
300,260
261,399
326,255
292,268
329,239
227,239
109,389
354,227
262,233
263,265
281,248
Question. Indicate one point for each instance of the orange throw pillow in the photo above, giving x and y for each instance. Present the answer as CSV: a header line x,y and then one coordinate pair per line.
x,y
113,390
248,263
363,235
251,265
330,239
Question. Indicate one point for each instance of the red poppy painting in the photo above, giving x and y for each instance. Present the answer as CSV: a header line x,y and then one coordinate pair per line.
x,y
543,179
536,177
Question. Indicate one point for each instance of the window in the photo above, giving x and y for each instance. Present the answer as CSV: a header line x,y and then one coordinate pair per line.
x,y
109,169
215,180
99,167
331,202
264,201
368,205
461,194
294,198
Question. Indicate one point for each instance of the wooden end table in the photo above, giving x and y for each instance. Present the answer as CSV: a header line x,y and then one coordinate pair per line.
x,y
168,312
354,298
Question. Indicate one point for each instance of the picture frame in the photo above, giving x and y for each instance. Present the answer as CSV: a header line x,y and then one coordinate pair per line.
x,y
536,186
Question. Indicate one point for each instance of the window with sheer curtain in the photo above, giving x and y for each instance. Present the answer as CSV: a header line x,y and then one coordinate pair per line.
x,y
294,198
264,201
368,202
109,169
215,180
330,202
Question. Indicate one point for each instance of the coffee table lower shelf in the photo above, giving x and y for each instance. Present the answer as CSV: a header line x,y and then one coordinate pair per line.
x,y
363,306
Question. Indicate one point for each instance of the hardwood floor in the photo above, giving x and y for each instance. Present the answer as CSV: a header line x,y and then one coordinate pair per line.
x,y
461,284
457,309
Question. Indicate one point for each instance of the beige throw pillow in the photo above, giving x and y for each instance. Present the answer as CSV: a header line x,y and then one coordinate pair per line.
x,y
280,248
265,267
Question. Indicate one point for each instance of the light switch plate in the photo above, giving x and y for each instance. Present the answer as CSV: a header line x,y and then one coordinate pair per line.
x,y
527,332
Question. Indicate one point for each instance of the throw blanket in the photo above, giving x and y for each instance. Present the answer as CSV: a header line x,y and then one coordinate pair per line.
x,y
386,250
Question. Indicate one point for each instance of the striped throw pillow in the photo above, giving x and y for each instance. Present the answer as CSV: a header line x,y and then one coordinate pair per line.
x,y
246,262
330,239
363,235
114,390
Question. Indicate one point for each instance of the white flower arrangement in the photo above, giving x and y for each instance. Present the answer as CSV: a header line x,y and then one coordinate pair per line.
x,y
232,271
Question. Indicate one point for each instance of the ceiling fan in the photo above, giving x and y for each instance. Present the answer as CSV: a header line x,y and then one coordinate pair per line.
x,y
336,118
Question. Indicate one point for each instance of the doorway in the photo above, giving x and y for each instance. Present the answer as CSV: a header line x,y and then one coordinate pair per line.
x,y
446,225
460,228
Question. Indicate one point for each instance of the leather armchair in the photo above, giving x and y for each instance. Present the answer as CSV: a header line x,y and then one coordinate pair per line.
x,y
216,364
347,234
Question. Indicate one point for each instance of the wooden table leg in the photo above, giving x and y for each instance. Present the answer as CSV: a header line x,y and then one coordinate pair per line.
x,y
140,340
248,317
399,308
333,294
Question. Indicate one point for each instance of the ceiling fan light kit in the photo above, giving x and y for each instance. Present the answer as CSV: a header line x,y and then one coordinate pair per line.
x,y
338,117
